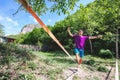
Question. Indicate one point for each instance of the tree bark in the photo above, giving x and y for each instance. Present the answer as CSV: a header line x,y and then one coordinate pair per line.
x,y
117,44
91,48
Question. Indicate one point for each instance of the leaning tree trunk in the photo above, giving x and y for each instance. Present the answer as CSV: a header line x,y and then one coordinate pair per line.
x,y
91,49
117,71
117,44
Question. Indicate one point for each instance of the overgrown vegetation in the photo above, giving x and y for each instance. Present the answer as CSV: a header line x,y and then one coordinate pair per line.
x,y
11,52
23,64
97,18
12,57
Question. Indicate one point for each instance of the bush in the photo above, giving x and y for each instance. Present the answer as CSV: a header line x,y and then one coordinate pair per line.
x,y
105,53
90,62
10,52
102,69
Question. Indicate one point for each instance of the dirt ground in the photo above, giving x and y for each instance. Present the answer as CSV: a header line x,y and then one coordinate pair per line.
x,y
83,73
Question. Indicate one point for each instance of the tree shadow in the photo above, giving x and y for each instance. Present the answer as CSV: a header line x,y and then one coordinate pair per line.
x,y
64,60
59,54
108,73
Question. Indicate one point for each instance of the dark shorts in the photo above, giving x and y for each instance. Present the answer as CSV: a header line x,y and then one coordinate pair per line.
x,y
79,52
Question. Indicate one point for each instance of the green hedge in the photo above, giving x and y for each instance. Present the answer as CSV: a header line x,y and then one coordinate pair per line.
x,y
105,53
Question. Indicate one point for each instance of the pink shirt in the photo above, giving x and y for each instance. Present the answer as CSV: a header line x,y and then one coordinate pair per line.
x,y
80,41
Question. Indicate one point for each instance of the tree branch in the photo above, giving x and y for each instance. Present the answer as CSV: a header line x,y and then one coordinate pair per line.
x,y
20,7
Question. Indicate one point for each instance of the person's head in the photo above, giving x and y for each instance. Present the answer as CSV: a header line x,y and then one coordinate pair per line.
x,y
80,32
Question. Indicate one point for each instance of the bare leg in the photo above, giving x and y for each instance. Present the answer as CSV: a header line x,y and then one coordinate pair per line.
x,y
79,64
77,58
80,61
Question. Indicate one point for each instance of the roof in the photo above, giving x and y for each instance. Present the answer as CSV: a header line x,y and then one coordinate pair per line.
x,y
7,37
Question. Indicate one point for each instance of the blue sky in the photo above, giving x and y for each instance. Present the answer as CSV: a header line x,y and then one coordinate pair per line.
x,y
14,24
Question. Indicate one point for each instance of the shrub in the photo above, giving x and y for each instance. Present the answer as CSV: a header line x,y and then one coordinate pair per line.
x,y
102,69
105,53
90,62
10,52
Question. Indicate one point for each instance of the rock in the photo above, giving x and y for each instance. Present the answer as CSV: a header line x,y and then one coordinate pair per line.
x,y
29,27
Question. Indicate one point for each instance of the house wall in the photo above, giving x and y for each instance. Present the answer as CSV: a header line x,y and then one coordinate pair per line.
x,y
5,39
2,39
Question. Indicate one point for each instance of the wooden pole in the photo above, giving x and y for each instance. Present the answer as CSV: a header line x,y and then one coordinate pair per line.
x,y
117,71
117,37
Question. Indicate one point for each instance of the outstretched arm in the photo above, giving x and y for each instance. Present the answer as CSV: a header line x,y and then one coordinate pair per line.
x,y
69,32
95,37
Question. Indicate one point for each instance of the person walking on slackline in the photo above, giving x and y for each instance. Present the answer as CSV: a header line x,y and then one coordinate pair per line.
x,y
80,40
